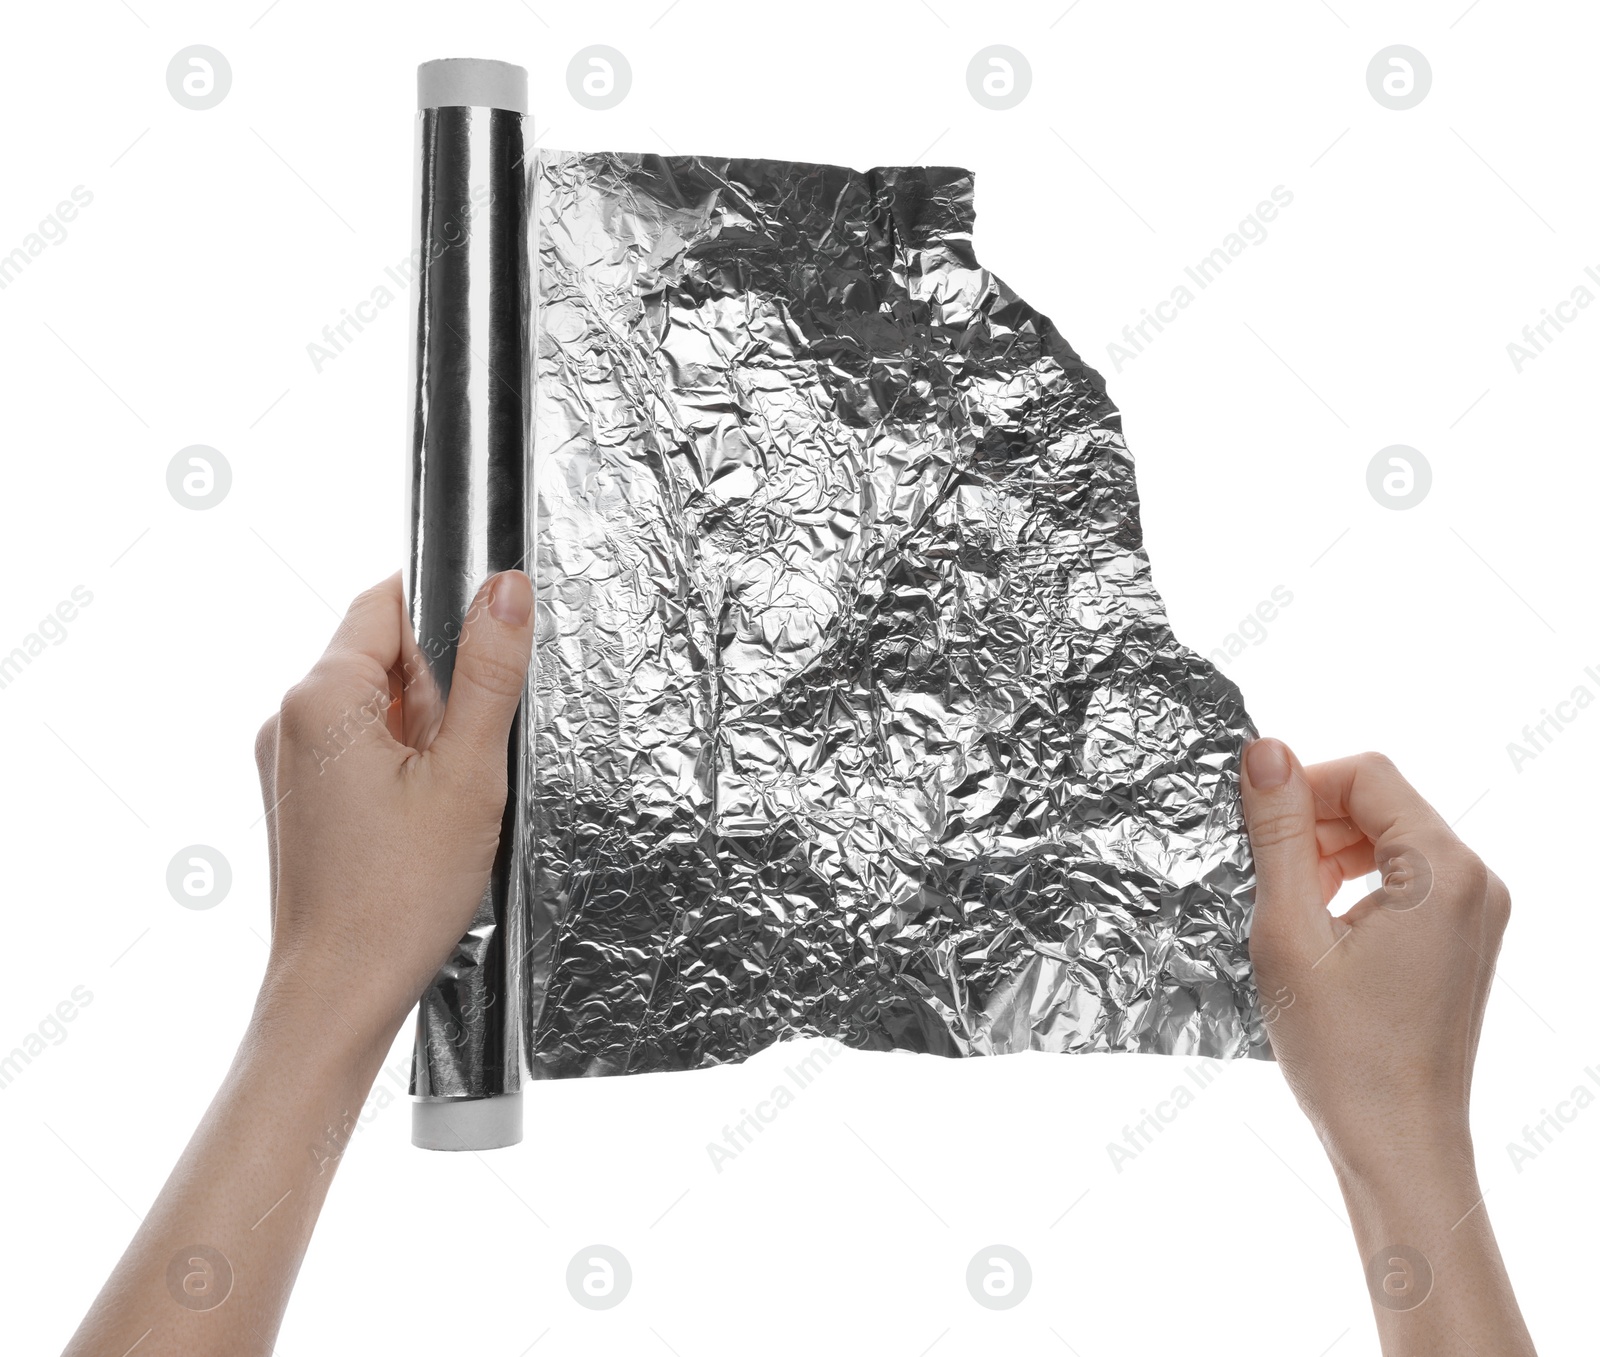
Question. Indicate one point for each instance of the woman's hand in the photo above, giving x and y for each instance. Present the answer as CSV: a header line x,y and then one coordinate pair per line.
x,y
383,817
384,806
1374,1018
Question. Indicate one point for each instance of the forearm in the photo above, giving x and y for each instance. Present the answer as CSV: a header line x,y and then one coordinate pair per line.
x,y
1433,1269
211,1268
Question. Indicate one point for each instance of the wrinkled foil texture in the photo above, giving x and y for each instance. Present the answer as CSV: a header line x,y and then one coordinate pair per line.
x,y
854,712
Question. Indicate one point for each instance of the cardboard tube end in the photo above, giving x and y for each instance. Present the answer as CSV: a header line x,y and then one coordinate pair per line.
x,y
467,1123
472,82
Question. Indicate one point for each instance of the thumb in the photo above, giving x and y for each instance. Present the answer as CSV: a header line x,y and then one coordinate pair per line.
x,y
1280,813
490,670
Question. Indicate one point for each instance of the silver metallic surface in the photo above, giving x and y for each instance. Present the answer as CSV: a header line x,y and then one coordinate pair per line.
x,y
468,512
855,711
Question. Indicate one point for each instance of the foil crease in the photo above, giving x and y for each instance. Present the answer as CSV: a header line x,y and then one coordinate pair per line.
x,y
854,711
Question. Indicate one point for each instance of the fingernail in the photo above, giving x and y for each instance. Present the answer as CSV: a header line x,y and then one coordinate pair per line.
x,y
1267,763
511,598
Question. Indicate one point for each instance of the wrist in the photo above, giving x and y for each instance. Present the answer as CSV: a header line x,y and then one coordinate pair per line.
x,y
1417,1186
322,1039
1403,1146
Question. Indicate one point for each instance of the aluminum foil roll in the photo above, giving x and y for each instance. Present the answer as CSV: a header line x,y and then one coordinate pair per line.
x,y
471,406
854,710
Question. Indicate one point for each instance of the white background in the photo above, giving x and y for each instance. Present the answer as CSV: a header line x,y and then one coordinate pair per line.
x,y
178,310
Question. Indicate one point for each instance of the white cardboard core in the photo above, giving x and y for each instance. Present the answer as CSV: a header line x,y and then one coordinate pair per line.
x,y
467,1123
472,82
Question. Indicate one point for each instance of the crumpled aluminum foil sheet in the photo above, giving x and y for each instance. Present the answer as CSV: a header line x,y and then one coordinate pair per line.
x,y
855,711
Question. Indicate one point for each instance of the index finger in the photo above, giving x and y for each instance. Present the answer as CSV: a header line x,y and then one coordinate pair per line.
x,y
1368,791
372,626
360,665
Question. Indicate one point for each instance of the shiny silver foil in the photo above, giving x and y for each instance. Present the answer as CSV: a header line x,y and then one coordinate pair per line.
x,y
471,407
854,710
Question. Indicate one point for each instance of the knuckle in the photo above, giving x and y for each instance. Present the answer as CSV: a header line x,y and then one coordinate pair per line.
x,y
1466,876
1270,828
359,605
337,671
1498,902
300,717
495,672
1373,762
267,743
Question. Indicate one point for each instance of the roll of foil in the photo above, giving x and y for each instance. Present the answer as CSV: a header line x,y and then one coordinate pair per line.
x,y
471,406
854,710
